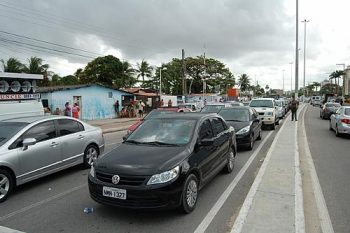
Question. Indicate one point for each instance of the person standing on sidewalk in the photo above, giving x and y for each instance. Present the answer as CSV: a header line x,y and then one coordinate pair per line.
x,y
75,111
294,108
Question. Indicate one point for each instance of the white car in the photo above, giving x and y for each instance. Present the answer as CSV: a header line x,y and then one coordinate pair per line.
x,y
267,109
340,121
281,112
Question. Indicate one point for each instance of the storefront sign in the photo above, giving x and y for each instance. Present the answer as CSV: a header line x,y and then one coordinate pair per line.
x,y
19,96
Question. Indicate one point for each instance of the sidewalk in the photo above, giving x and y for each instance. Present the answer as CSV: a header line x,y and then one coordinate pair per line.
x,y
275,200
114,124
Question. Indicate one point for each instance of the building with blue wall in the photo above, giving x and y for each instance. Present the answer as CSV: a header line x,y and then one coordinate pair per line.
x,y
95,101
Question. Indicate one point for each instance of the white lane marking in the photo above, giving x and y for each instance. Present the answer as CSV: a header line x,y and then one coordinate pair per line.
x,y
8,230
243,213
299,201
220,202
326,223
24,209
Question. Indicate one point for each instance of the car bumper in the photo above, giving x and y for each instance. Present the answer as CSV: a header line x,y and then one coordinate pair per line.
x,y
162,197
344,128
243,139
268,120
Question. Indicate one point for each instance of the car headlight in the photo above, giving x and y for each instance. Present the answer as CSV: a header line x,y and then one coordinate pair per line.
x,y
244,130
268,113
92,170
164,176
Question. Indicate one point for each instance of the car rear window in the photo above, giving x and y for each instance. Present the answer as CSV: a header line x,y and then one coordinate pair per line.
x,y
9,129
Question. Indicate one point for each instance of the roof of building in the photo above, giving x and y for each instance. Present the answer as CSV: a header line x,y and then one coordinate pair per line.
x,y
141,92
71,87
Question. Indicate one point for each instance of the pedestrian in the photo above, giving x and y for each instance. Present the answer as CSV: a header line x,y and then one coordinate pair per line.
x,y
294,104
116,107
141,108
162,103
67,109
75,110
170,103
57,111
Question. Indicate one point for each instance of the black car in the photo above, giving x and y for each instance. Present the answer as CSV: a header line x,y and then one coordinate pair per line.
x,y
246,122
164,162
328,109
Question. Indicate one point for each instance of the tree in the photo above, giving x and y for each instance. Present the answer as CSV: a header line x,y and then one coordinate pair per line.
x,y
143,70
128,79
36,66
316,85
12,65
336,76
244,82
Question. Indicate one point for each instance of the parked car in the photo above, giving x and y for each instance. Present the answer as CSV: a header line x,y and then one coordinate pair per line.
x,y
164,162
340,121
193,106
215,107
246,122
328,109
33,147
281,111
266,108
316,100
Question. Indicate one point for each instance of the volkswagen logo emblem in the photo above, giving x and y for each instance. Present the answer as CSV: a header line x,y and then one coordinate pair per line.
x,y
115,179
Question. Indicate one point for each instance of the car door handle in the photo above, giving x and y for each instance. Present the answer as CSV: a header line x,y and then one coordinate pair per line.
x,y
54,144
81,137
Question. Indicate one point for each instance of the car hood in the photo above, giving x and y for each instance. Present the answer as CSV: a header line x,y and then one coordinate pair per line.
x,y
238,125
141,159
264,109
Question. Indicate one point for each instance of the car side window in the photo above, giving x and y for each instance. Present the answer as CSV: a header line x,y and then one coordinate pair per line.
x,y
205,131
218,126
67,126
41,132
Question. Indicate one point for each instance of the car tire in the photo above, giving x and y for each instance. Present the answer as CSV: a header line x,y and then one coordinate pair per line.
x,y
6,184
230,161
190,194
251,142
273,126
91,153
259,136
337,131
278,121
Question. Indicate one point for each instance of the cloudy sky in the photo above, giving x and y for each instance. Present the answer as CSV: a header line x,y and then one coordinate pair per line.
x,y
256,37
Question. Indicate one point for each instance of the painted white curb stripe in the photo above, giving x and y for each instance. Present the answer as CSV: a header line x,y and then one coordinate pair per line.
x,y
220,202
8,230
326,223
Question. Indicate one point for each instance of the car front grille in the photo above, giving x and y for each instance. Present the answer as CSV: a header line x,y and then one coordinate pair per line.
x,y
261,113
124,180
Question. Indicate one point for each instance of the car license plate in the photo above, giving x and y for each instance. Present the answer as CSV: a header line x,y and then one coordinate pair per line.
x,y
114,192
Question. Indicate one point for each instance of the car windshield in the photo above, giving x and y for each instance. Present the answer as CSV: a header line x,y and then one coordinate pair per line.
x,y
347,112
235,114
156,113
333,105
9,129
168,132
261,103
212,108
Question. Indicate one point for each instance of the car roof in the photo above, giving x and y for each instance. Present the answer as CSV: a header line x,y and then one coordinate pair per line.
x,y
32,119
186,115
236,107
264,99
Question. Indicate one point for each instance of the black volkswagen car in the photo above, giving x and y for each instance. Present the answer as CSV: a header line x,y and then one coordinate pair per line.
x,y
246,122
164,162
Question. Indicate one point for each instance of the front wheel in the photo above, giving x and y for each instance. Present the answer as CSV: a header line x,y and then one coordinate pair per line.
x,y
273,126
259,137
190,194
91,153
230,161
6,184
251,142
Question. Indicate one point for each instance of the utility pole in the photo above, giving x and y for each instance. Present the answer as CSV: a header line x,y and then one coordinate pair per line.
x,y
297,50
283,83
291,77
183,73
304,21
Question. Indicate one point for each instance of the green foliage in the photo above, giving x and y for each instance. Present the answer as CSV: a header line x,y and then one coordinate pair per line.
x,y
143,70
244,82
36,66
12,65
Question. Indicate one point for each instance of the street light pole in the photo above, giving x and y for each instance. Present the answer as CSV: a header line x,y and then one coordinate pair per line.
x,y
283,83
291,77
160,84
297,50
304,21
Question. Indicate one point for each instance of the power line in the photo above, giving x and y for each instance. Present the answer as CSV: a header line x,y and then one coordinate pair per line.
x,y
47,42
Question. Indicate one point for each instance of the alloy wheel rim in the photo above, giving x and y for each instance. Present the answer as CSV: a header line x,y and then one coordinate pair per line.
x,y
91,155
191,196
231,158
4,185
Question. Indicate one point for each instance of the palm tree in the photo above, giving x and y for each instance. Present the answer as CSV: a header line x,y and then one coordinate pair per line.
x,y
127,75
316,85
36,66
12,65
244,82
143,70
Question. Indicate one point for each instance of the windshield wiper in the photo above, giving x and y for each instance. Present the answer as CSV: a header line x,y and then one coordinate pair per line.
x,y
158,143
236,120
134,142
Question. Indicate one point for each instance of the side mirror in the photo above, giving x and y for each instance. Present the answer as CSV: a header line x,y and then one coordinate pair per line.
x,y
28,142
206,142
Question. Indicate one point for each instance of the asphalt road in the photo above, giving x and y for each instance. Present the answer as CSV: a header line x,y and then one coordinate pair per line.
x,y
331,156
56,203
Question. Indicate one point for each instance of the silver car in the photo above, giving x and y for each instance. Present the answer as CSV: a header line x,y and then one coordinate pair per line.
x,y
340,121
33,147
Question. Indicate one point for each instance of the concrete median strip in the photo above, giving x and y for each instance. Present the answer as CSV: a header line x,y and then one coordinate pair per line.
x,y
8,230
275,202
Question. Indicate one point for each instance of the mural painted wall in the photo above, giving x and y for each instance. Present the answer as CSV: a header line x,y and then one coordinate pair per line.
x,y
96,102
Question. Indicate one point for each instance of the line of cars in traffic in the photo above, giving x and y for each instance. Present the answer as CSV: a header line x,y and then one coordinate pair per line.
x,y
163,162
